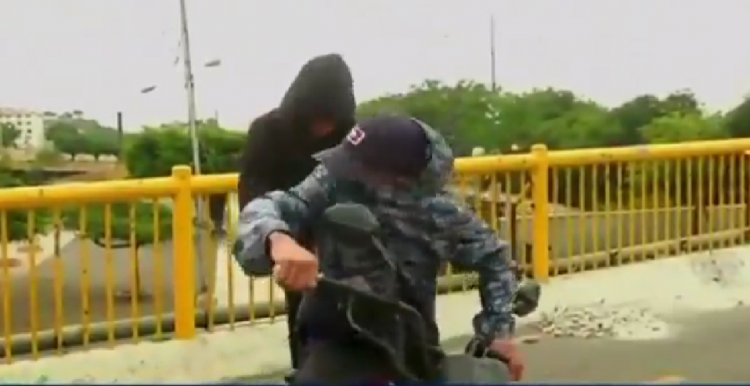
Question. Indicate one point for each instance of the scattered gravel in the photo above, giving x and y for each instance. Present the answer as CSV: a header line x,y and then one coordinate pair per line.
x,y
724,271
601,321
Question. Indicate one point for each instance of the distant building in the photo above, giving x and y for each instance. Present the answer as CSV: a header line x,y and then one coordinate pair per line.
x,y
31,125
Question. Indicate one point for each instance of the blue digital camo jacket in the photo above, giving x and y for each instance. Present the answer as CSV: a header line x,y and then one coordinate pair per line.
x,y
424,226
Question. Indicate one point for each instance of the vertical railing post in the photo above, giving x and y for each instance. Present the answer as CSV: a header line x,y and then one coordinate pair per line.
x,y
540,197
745,184
184,255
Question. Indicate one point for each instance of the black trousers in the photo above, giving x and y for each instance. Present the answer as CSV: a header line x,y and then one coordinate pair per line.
x,y
336,363
296,333
216,206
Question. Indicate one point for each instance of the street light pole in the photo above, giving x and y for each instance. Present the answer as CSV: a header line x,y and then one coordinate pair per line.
x,y
194,139
212,64
190,89
493,79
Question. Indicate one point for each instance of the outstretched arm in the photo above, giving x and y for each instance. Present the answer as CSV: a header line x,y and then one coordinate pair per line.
x,y
279,211
470,243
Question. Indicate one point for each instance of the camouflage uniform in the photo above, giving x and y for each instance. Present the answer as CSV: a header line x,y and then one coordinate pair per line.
x,y
422,225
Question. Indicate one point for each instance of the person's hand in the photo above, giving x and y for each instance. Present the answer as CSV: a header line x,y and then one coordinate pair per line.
x,y
508,350
295,267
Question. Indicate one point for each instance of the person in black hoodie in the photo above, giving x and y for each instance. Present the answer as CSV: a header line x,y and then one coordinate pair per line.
x,y
316,113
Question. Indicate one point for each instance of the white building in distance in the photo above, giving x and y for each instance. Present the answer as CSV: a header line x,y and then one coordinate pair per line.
x,y
31,125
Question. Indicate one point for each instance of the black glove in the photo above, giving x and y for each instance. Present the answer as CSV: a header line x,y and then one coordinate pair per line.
x,y
526,298
237,247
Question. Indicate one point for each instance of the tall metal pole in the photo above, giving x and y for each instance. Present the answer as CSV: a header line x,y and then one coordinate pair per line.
x,y
194,139
120,136
190,89
493,78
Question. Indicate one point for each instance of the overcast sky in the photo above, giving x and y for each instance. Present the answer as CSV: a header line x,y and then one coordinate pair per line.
x,y
96,55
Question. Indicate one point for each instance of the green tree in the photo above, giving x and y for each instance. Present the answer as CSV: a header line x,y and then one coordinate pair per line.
x,y
556,118
9,134
681,127
102,142
73,134
737,121
66,138
18,220
640,111
633,115
221,148
155,151
471,115
463,113
681,102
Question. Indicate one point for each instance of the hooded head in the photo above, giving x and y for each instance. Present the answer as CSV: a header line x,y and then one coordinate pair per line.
x,y
392,151
320,101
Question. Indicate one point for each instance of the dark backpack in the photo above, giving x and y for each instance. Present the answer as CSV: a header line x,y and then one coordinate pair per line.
x,y
365,296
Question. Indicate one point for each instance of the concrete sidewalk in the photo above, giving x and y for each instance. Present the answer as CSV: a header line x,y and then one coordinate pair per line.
x,y
658,307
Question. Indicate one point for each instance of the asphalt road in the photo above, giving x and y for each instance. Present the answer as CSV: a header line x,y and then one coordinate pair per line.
x,y
711,348
72,298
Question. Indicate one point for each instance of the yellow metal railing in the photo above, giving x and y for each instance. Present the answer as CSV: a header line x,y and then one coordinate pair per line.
x,y
52,302
643,203
562,211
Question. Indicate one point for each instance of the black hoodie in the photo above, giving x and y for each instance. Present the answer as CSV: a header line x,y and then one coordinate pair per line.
x,y
279,145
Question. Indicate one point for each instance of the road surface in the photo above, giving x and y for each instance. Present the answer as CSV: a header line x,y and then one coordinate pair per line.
x,y
122,272
712,348
72,269
684,317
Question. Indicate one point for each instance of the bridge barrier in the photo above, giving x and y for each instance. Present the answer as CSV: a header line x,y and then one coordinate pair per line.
x,y
138,261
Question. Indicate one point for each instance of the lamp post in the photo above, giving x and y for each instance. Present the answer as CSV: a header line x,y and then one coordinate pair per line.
x,y
193,132
190,90
194,139
215,63
154,87
493,79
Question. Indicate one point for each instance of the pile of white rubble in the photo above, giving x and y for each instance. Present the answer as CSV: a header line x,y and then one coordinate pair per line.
x,y
600,321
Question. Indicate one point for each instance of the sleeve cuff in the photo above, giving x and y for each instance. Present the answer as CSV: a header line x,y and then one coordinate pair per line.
x,y
264,231
488,329
253,253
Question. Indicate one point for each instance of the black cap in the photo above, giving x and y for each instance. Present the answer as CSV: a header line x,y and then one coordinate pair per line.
x,y
386,145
